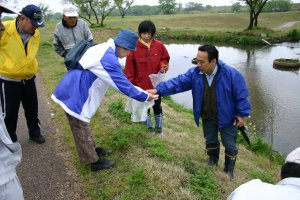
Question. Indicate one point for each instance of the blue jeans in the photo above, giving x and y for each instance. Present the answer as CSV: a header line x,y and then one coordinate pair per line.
x,y
228,136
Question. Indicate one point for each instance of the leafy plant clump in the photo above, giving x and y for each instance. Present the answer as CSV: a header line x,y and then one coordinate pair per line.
x,y
204,184
158,148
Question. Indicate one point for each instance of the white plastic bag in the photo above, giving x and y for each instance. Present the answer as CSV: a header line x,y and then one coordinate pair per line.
x,y
138,109
157,78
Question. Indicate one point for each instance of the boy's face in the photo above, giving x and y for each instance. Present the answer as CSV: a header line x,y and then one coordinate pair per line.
x,y
146,36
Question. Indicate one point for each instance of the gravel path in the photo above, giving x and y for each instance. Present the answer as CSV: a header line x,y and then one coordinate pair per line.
x,y
287,25
46,170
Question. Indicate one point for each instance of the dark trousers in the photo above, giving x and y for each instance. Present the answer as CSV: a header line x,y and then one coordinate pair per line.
x,y
13,93
228,136
157,109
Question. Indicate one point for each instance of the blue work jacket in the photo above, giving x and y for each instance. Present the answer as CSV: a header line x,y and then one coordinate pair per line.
x,y
231,92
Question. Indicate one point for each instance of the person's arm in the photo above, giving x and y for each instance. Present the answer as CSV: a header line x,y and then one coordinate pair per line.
x,y
59,48
176,85
164,60
88,34
112,74
240,95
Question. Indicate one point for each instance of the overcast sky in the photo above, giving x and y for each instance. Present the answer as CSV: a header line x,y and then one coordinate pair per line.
x,y
56,5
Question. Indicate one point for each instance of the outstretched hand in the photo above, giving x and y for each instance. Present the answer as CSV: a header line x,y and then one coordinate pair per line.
x,y
152,91
152,97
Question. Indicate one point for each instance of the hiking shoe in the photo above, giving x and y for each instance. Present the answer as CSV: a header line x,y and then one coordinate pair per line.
x,y
39,139
102,164
102,152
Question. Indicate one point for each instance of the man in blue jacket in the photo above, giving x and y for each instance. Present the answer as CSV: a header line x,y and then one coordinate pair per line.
x,y
220,98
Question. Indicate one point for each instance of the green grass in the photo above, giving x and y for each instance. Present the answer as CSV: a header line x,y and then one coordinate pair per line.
x,y
169,167
204,184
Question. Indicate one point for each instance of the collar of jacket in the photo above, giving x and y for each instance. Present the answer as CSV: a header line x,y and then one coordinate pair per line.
x,y
65,25
144,46
11,29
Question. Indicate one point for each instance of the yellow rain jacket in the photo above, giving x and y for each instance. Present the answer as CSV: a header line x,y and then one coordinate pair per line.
x,y
14,63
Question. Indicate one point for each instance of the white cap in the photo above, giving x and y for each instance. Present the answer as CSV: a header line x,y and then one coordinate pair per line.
x,y
294,156
70,11
4,8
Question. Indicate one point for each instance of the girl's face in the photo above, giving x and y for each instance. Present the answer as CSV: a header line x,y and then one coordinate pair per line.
x,y
146,36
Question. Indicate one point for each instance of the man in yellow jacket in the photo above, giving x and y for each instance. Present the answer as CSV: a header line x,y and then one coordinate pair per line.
x,y
18,48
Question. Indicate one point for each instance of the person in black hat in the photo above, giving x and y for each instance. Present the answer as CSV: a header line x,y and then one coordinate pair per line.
x,y
11,153
19,45
80,92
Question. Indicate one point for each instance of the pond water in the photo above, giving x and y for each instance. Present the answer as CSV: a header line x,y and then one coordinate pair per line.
x,y
274,94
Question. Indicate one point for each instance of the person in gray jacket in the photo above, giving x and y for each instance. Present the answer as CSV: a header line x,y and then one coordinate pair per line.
x,y
10,153
70,31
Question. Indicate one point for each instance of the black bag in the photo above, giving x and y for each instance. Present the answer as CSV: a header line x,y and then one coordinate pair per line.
x,y
74,55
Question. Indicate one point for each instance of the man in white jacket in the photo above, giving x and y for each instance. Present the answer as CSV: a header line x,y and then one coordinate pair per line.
x,y
10,153
81,91
288,188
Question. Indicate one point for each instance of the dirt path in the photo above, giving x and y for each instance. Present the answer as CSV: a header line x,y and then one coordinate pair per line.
x,y
46,171
287,25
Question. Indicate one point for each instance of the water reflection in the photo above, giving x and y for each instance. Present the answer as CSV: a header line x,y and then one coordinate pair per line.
x,y
274,94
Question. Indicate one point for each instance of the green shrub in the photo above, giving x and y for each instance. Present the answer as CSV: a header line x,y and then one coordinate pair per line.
x,y
122,138
189,165
116,108
294,35
158,148
137,178
204,184
262,176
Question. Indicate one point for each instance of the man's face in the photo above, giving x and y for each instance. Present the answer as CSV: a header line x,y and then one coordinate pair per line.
x,y
70,21
2,28
26,25
122,53
203,63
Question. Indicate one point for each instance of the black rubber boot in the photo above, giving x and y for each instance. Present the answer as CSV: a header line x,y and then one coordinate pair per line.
x,y
158,124
102,164
149,124
229,165
213,152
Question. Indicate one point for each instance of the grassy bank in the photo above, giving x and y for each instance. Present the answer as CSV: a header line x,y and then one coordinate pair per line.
x,y
216,27
170,167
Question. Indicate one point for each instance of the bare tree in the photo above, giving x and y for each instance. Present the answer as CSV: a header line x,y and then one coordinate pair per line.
x,y
123,6
256,7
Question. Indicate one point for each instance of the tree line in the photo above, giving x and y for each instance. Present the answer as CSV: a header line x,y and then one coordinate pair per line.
x,y
95,11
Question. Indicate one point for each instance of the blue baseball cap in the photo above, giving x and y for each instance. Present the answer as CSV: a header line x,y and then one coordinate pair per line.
x,y
35,14
126,39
